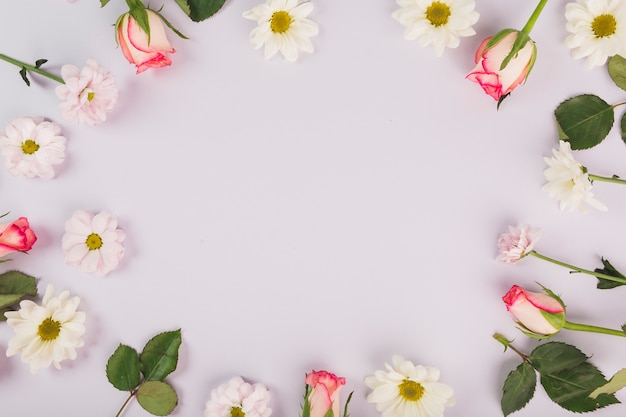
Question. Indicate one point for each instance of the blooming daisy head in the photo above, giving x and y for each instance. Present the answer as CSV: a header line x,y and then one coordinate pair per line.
x,y
238,398
597,29
31,146
517,243
93,244
405,389
568,181
88,94
48,333
282,26
440,23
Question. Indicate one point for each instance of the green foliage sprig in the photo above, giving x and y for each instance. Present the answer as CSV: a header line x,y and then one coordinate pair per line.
x,y
143,374
585,120
14,286
197,10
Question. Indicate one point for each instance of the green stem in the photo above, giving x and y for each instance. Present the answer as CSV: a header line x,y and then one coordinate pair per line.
x,y
593,329
31,68
533,17
577,269
119,413
508,344
615,180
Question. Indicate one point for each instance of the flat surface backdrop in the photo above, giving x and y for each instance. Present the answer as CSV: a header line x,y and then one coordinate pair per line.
x,y
324,214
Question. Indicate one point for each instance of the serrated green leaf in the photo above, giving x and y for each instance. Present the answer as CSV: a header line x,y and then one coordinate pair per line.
x,y
14,285
518,389
184,6
123,368
200,10
617,70
160,355
570,388
553,357
604,284
617,382
586,120
157,398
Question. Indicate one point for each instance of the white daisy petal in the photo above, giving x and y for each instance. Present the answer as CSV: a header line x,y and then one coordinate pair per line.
x,y
252,400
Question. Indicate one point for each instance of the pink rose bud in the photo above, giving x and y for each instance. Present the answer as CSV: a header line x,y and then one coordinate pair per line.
x,y
543,314
324,395
16,236
139,48
496,81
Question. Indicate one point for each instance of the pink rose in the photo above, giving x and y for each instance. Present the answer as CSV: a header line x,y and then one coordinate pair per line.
x,y
543,314
16,236
324,395
498,82
518,243
139,48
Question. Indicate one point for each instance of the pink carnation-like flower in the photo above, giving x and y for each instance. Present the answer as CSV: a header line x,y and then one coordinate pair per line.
x,y
88,94
517,243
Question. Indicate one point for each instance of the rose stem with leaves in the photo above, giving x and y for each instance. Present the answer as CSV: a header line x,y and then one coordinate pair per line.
x,y
577,269
33,68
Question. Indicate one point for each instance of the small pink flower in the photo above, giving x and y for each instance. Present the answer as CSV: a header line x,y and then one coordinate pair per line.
x,y
517,243
491,53
16,236
239,398
139,48
324,395
88,94
540,313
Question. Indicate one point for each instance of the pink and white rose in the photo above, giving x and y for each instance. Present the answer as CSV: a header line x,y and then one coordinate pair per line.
x,y
140,48
16,237
496,81
518,243
543,314
324,395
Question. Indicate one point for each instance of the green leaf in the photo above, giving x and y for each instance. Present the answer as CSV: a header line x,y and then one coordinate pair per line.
x,y
169,25
605,284
306,407
123,368
24,77
617,70
586,120
184,5
40,62
570,388
520,41
617,382
623,126
157,398
104,2
14,285
345,407
203,9
518,389
141,16
553,357
160,355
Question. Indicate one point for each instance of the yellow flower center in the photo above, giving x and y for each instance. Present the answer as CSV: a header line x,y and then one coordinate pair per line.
x,y
438,13
280,21
29,147
94,241
604,25
236,412
49,329
411,390
90,95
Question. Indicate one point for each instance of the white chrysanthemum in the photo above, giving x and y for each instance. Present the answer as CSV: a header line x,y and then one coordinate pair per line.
x,y
598,29
238,398
93,244
48,333
31,146
568,181
282,26
88,93
437,23
406,390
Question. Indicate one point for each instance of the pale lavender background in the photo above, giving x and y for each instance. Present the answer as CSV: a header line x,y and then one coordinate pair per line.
x,y
325,214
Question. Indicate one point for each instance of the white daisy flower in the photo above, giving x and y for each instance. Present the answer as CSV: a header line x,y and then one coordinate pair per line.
x,y
238,398
406,390
93,244
437,23
48,333
282,26
568,181
31,146
598,29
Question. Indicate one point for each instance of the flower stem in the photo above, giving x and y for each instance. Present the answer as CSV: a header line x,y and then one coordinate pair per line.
x,y
533,17
615,180
31,68
509,344
577,269
119,413
593,329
